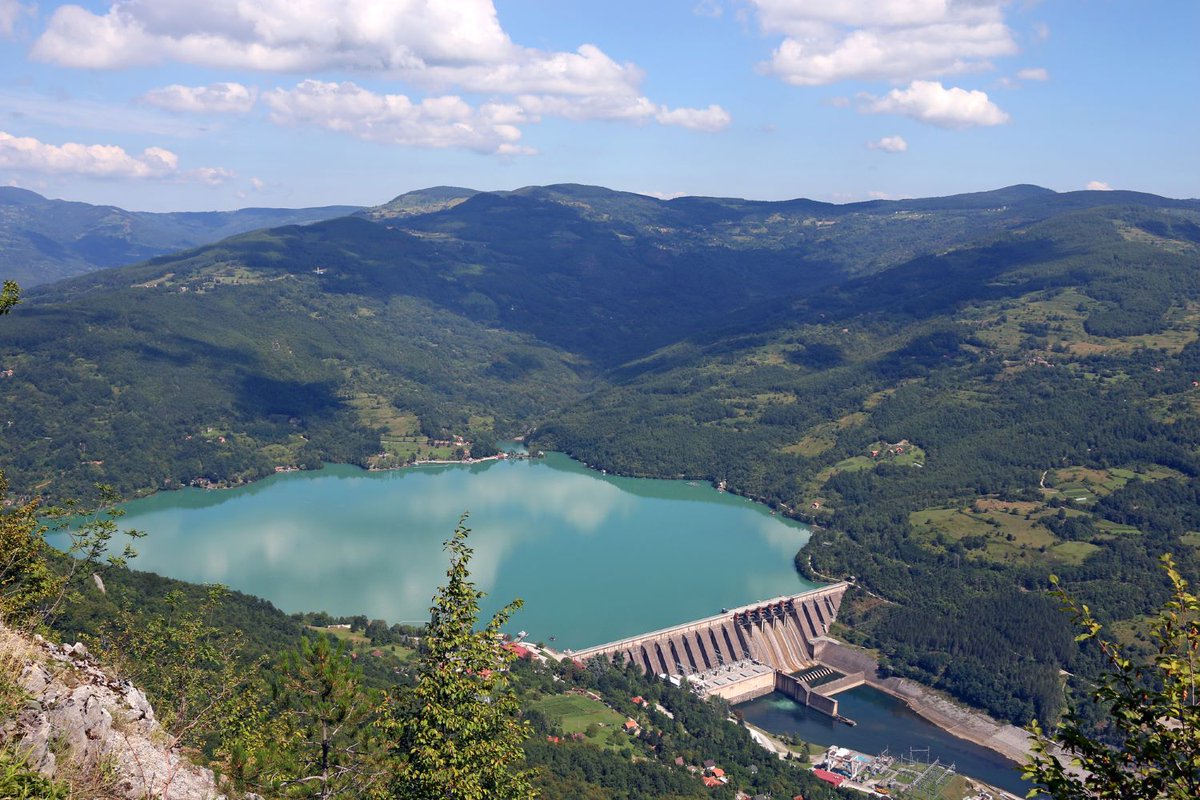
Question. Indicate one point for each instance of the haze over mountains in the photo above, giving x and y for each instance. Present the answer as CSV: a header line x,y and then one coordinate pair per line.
x,y
967,392
43,240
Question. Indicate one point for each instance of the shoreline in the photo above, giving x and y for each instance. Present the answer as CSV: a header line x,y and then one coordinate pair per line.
x,y
968,726
965,723
932,705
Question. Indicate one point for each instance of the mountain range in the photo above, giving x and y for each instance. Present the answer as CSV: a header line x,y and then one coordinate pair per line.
x,y
43,240
964,394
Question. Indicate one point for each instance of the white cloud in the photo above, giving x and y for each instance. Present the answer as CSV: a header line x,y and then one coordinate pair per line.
x,y
276,35
713,118
630,108
889,144
436,44
446,121
1041,30
257,184
1099,186
97,160
1034,74
708,8
213,176
449,121
10,12
443,48
929,101
214,98
826,41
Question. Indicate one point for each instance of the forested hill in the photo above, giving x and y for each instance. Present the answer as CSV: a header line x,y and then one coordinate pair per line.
x,y
960,425
43,240
967,393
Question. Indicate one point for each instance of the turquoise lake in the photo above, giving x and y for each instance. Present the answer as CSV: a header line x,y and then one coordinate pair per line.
x,y
594,557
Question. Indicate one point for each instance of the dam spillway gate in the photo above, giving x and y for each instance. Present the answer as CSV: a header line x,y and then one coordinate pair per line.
x,y
746,652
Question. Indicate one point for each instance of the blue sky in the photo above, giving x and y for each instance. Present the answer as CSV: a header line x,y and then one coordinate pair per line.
x,y
183,105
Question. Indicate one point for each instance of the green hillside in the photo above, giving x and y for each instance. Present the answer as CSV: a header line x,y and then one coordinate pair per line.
x,y
964,393
959,426
43,240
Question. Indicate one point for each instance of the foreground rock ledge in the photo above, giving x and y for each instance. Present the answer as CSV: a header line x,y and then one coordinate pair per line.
x,y
81,724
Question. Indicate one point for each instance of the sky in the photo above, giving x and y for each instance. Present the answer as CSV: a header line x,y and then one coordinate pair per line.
x,y
166,105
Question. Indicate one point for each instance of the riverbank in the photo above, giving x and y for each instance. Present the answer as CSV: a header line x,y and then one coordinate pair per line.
x,y
951,716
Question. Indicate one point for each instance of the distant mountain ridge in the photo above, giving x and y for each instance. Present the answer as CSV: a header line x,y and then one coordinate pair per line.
x,y
966,393
44,240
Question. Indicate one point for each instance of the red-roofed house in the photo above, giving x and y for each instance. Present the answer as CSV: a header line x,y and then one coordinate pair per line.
x,y
830,777
519,650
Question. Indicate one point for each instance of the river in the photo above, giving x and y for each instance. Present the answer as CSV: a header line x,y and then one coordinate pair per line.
x,y
595,558
883,722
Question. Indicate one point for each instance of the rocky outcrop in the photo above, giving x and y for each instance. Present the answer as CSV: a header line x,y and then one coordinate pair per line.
x,y
77,720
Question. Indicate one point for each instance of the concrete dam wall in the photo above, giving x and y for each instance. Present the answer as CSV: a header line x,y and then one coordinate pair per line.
x,y
744,652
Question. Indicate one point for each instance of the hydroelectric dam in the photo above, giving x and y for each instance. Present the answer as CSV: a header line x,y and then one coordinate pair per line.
x,y
747,652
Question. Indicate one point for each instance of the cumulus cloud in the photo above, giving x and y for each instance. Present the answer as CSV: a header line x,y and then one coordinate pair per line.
x,y
450,121
713,118
1099,186
889,144
97,160
930,102
10,12
636,108
211,99
446,121
439,45
275,34
826,41
1034,74
443,48
213,176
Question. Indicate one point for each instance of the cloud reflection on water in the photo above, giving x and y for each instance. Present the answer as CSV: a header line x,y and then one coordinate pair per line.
x,y
586,552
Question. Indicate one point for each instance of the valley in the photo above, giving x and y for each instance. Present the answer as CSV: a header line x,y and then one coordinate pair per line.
x,y
961,396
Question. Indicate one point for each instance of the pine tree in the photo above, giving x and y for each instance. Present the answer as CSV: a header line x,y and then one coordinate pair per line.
x,y
457,733
325,717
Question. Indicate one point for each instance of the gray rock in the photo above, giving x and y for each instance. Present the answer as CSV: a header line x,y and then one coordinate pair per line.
x,y
69,714
34,679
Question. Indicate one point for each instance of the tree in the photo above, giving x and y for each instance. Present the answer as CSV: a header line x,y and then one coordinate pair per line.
x,y
457,733
1153,712
325,717
192,671
26,579
10,295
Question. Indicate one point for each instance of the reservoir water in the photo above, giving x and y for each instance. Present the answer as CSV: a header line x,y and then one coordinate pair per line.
x,y
594,557
883,722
